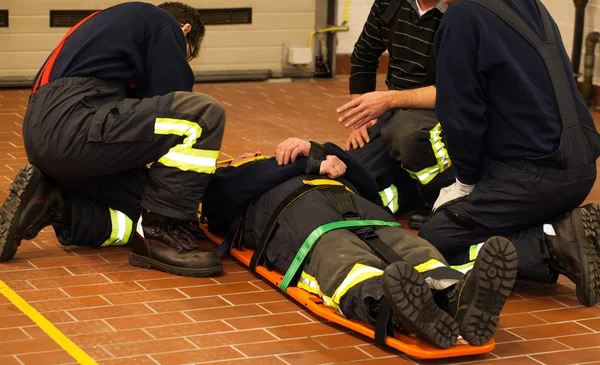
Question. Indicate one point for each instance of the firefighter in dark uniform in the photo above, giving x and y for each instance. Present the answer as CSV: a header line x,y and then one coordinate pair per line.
x,y
398,136
522,141
367,269
113,97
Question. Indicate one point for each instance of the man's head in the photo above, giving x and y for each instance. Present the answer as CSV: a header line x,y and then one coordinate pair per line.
x,y
190,23
449,2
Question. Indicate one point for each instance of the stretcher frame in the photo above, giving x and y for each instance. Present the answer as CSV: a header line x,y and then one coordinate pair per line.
x,y
409,345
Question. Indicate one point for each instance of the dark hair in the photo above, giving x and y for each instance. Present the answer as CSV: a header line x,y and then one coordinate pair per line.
x,y
187,14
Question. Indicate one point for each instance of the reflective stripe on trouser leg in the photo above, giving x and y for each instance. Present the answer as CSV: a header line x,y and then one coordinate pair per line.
x,y
184,156
441,155
121,227
473,252
357,275
389,197
429,265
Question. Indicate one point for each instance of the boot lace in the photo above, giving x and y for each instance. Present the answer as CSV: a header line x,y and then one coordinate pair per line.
x,y
183,240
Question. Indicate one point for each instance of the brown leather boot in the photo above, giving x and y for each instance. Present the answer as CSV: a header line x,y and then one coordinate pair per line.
x,y
165,244
573,251
33,202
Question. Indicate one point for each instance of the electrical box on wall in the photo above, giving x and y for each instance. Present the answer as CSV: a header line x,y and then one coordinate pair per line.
x,y
298,55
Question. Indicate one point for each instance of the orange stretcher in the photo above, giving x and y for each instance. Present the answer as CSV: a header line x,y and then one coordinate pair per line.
x,y
411,346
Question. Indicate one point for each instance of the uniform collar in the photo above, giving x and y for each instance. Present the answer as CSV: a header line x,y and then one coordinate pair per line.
x,y
441,5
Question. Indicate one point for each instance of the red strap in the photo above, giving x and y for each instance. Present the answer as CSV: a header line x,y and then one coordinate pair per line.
x,y
44,76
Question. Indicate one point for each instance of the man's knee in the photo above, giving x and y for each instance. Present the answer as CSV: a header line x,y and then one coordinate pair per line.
x,y
204,109
407,135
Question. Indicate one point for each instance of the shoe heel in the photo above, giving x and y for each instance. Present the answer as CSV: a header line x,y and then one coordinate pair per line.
x,y
138,261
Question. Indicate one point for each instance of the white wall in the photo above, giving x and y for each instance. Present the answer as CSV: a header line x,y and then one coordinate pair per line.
x,y
25,45
563,12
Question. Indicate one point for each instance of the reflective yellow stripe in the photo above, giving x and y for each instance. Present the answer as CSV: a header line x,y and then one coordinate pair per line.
x,y
121,227
426,175
473,251
310,284
441,155
439,148
179,127
321,182
358,274
389,197
464,268
183,156
429,265
257,158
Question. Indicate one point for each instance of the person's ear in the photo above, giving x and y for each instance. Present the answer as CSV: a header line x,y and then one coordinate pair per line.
x,y
186,28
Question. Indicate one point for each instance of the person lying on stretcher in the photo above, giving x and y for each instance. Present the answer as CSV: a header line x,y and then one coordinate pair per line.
x,y
371,269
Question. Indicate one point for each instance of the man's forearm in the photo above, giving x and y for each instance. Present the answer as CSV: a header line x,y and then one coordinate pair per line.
x,y
421,98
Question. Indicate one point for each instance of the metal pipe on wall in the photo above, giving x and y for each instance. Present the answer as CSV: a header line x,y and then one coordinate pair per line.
x,y
587,88
578,35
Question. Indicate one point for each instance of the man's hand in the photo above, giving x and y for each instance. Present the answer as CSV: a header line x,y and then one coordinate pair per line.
x,y
291,148
364,109
359,137
453,192
332,167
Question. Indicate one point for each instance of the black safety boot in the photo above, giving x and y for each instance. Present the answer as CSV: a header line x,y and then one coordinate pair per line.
x,y
419,217
574,251
477,299
413,305
167,245
33,202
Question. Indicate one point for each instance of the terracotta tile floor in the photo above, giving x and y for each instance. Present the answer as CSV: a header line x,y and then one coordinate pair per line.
x,y
119,314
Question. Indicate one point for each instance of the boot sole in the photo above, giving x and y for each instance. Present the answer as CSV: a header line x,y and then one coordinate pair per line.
x,y
20,191
495,272
148,263
413,304
590,251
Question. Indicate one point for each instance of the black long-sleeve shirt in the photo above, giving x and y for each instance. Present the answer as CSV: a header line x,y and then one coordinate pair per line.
x,y
408,38
136,43
494,96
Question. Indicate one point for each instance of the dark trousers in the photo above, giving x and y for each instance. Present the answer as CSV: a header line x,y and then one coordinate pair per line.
x,y
407,149
96,144
346,272
514,200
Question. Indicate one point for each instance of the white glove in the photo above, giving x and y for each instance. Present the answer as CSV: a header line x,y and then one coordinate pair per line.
x,y
452,192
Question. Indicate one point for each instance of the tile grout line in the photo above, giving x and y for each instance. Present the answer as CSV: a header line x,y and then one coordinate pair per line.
x,y
274,335
236,349
563,344
149,307
190,342
265,309
153,359
180,291
358,348
279,358
19,360
536,360
226,301
583,325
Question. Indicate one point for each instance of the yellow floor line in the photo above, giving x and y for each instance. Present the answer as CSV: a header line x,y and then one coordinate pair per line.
x,y
62,340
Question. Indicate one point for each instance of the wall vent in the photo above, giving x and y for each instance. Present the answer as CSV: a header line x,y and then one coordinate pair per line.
x,y
226,16
4,18
67,18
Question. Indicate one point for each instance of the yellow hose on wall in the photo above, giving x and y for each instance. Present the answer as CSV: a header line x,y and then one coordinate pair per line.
x,y
340,28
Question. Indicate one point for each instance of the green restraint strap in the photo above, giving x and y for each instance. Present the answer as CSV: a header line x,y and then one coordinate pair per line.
x,y
320,231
